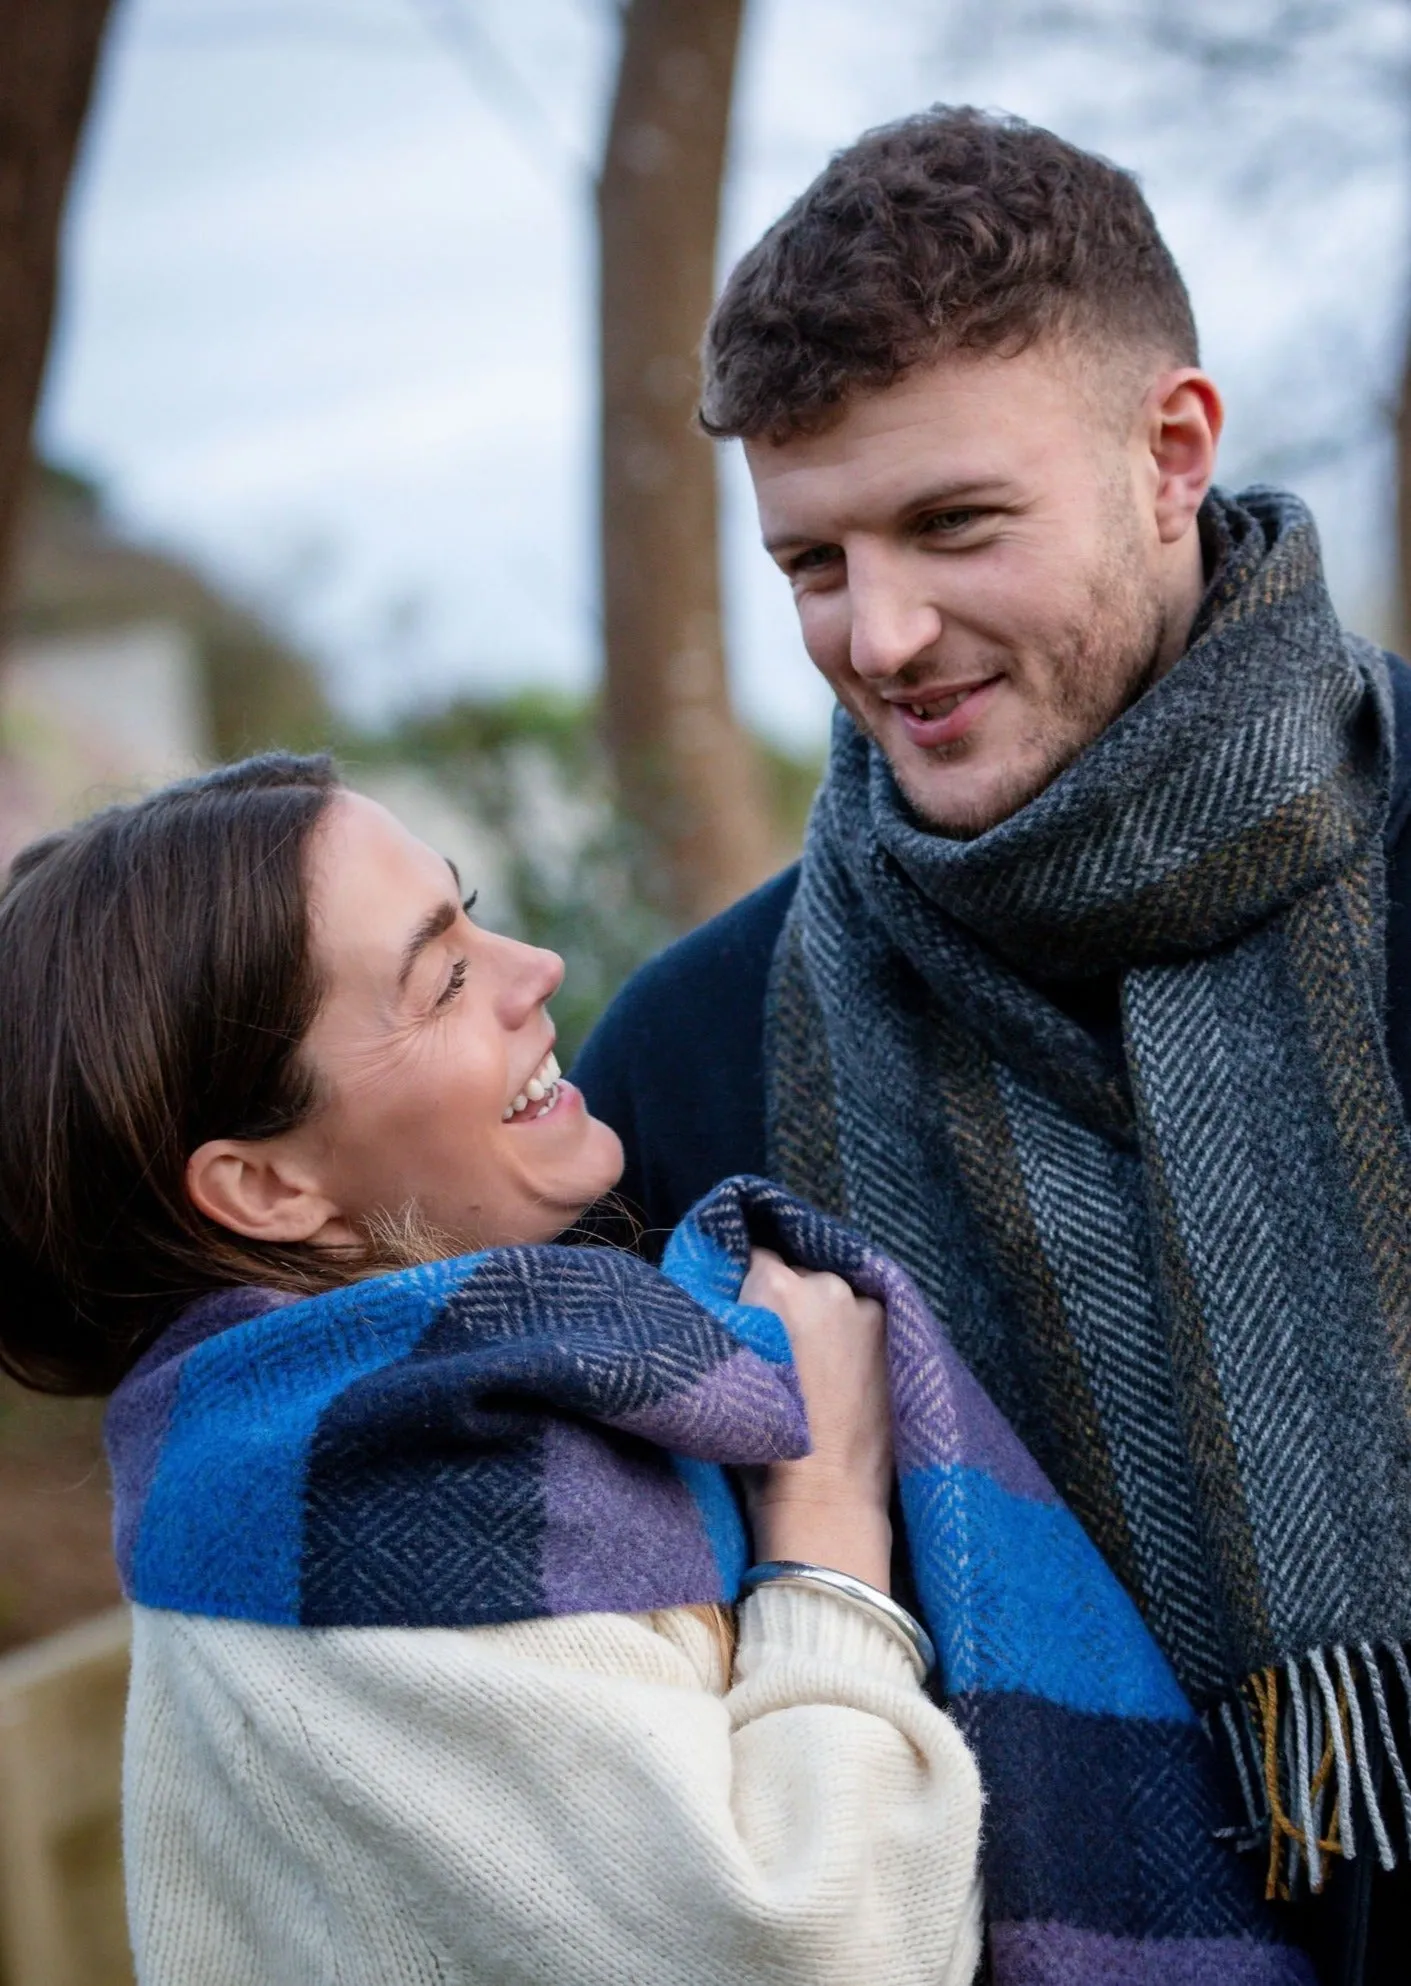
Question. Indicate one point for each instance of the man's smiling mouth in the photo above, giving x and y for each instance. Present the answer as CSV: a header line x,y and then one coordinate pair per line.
x,y
941,707
941,702
942,716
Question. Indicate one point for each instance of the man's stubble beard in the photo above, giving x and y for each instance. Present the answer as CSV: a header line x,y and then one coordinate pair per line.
x,y
1106,660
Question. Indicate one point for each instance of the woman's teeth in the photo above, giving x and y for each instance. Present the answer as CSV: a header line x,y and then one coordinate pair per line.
x,y
541,1089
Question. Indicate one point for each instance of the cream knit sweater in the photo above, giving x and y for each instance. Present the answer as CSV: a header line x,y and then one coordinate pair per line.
x,y
586,1801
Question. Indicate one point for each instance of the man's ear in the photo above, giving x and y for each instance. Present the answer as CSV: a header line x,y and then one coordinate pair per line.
x,y
1184,416
257,1188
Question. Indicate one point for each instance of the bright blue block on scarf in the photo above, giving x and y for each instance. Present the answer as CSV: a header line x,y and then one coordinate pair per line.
x,y
1042,1613
246,1412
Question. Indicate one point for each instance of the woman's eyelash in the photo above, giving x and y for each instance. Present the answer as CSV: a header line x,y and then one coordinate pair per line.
x,y
453,984
470,902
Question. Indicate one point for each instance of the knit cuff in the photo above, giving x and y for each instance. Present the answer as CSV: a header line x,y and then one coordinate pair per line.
x,y
806,1624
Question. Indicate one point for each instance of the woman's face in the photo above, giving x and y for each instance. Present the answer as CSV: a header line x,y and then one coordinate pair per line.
x,y
433,1051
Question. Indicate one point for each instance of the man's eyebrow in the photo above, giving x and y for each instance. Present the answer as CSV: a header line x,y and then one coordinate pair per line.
x,y
940,496
433,926
953,496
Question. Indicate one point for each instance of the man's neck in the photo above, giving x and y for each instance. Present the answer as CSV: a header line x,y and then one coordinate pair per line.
x,y
1187,579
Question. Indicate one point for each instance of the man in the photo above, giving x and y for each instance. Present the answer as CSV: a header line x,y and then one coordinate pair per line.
x,y
1078,1002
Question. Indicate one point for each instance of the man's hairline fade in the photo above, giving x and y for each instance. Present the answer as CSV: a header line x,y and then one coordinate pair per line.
x,y
1075,260
1113,381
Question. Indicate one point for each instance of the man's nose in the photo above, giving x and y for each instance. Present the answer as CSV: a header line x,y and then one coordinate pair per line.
x,y
891,622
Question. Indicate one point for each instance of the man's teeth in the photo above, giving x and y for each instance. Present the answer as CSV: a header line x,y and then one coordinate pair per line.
x,y
542,1088
942,707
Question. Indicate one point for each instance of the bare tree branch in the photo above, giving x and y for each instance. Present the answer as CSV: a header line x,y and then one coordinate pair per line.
x,y
458,26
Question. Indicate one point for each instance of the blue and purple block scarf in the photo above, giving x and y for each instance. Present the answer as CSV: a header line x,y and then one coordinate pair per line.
x,y
548,1430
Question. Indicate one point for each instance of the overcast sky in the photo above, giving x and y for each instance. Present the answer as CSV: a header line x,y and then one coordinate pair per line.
x,y
328,312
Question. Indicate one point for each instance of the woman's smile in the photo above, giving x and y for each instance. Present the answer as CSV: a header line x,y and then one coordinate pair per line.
x,y
539,1095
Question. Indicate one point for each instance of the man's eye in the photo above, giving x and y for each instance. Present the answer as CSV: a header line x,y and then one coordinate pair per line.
x,y
813,560
948,522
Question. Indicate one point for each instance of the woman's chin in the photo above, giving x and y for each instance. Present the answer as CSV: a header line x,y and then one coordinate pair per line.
x,y
603,1157
578,1176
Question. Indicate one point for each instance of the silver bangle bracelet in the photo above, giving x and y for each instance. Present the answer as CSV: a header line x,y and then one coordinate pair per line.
x,y
883,1609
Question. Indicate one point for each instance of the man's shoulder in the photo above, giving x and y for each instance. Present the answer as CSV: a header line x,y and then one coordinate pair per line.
x,y
1398,881
740,938
1399,676
712,976
676,1064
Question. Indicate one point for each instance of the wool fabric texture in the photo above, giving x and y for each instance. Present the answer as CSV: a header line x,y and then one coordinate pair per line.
x,y
1177,1261
588,1800
535,1432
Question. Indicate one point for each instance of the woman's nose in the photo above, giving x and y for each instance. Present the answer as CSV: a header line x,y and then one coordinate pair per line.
x,y
530,975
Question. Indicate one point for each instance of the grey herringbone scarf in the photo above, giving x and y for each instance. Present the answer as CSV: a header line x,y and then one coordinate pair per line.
x,y
1180,1260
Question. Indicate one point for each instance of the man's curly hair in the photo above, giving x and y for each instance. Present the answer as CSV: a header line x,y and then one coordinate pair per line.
x,y
952,230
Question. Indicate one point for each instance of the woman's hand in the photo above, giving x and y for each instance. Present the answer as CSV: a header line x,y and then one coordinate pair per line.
x,y
831,1507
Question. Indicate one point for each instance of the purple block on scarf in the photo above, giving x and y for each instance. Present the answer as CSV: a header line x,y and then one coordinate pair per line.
x,y
942,1414
743,1408
622,1532
1063,1955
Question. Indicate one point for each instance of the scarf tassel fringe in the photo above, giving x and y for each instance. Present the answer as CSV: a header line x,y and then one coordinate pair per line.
x,y
1319,1749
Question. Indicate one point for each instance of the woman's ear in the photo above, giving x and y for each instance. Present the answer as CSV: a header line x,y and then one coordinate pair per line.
x,y
257,1188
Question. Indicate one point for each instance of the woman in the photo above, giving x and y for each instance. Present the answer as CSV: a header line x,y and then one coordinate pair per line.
x,y
251,1041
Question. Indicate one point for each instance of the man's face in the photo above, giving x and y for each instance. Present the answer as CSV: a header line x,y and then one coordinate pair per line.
x,y
978,573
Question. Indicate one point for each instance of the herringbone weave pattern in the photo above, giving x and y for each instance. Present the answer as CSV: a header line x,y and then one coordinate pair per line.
x,y
541,1430
1178,1260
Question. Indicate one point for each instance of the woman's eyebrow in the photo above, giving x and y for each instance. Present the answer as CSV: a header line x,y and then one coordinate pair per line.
x,y
431,927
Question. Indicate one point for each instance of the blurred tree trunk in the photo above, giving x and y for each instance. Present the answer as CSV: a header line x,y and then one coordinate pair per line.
x,y
687,771
48,55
